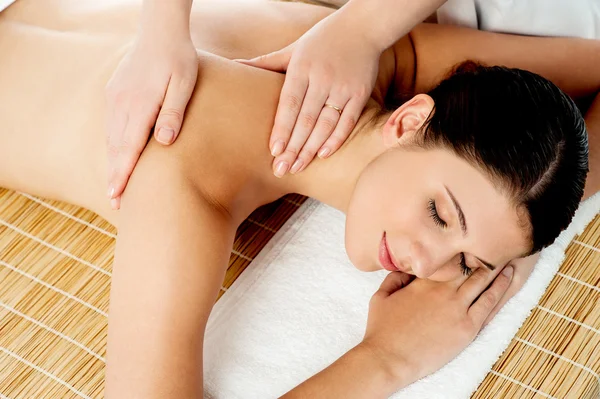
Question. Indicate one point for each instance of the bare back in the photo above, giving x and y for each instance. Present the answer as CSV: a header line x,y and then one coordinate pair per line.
x,y
56,57
58,112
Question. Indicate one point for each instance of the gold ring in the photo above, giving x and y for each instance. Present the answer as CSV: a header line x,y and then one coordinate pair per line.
x,y
338,109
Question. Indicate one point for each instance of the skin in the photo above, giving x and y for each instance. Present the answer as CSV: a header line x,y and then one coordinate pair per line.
x,y
332,64
416,243
139,98
177,221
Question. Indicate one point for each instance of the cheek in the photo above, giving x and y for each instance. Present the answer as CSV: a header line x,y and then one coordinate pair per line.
x,y
363,225
381,201
358,238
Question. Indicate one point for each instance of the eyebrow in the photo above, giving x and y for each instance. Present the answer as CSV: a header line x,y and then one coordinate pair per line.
x,y
463,224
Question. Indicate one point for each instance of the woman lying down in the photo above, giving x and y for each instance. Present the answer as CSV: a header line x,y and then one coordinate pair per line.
x,y
479,167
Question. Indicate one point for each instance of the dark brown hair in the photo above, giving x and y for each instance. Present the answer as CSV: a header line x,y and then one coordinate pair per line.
x,y
522,131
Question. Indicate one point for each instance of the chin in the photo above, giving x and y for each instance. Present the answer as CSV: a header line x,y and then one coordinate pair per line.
x,y
367,267
359,258
361,248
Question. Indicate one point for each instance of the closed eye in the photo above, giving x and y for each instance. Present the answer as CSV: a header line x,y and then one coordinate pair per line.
x,y
434,214
466,270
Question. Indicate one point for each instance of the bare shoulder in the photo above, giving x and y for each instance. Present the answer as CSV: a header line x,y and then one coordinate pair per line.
x,y
223,144
242,29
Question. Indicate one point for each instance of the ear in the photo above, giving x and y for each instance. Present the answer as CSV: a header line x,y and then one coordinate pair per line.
x,y
404,122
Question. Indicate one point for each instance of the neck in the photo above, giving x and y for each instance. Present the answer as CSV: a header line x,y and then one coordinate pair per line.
x,y
332,180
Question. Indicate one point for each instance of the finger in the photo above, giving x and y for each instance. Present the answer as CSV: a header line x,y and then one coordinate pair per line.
x,y
113,140
392,283
469,288
328,119
507,295
311,108
115,203
344,127
171,113
128,147
277,61
116,122
481,309
110,100
516,283
290,103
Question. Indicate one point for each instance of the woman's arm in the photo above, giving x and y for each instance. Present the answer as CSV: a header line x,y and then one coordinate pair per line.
x,y
413,329
357,374
571,63
170,259
386,21
592,121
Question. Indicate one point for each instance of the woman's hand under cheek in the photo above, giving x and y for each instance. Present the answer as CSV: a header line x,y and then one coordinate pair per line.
x,y
522,270
417,327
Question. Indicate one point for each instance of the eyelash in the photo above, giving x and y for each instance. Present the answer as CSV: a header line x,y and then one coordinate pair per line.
x,y
466,270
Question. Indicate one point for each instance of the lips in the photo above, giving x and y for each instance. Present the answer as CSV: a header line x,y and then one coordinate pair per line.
x,y
385,258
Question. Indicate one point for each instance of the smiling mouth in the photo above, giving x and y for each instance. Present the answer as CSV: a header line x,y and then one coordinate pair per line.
x,y
385,257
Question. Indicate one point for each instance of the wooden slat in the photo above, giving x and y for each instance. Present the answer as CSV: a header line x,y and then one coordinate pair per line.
x,y
55,268
53,305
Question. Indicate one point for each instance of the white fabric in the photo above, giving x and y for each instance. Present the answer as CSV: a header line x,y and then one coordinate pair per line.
x,y
301,304
5,3
458,12
579,18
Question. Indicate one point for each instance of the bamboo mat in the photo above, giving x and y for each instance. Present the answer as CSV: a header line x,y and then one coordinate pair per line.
x,y
55,267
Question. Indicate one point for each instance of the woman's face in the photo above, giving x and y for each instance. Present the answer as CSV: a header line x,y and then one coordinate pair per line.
x,y
404,211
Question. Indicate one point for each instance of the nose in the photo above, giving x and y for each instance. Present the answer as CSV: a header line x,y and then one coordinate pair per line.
x,y
426,261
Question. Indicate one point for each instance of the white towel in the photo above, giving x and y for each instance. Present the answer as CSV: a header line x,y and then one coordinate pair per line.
x,y
580,18
301,304
5,3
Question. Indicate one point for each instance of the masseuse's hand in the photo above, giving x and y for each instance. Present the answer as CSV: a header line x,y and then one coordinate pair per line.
x,y
331,72
420,326
150,89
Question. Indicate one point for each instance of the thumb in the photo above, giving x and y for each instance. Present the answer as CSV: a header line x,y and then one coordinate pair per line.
x,y
393,282
277,61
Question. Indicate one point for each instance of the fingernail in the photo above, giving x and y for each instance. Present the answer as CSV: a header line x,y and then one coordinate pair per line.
x,y
277,148
281,168
110,192
508,271
165,136
114,203
324,152
296,166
